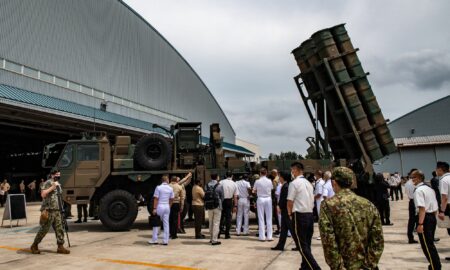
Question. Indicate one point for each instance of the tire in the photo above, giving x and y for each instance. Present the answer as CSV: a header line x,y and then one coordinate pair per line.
x,y
118,210
153,152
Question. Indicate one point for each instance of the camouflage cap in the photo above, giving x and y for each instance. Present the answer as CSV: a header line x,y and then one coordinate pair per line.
x,y
256,176
343,175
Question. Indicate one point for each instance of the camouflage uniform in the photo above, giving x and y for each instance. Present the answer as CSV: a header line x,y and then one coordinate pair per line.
x,y
350,228
50,203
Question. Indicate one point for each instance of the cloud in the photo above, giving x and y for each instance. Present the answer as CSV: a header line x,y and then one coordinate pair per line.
x,y
426,70
241,50
423,70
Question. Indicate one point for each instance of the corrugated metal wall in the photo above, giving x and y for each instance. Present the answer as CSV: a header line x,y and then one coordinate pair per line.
x,y
421,157
105,45
428,120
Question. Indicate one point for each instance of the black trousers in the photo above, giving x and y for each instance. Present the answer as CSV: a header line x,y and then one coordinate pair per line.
x,y
32,195
303,226
225,219
3,198
394,190
173,219
447,213
427,242
400,191
286,225
411,219
385,211
82,209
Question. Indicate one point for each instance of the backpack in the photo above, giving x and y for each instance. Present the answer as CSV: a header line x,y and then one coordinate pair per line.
x,y
212,199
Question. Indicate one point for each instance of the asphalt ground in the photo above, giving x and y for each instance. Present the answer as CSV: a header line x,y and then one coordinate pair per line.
x,y
93,247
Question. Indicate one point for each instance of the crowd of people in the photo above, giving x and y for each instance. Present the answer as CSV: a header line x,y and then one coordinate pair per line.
x,y
31,190
350,227
426,201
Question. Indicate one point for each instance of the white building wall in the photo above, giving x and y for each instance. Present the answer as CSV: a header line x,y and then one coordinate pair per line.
x,y
252,147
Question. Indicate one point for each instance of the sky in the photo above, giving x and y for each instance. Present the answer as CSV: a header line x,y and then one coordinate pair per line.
x,y
242,52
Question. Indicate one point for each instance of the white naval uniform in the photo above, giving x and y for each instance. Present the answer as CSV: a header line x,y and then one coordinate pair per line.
x,y
328,189
243,206
164,193
444,186
409,188
425,197
263,187
277,197
318,189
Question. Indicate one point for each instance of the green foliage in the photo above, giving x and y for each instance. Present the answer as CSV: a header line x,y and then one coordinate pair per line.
x,y
290,155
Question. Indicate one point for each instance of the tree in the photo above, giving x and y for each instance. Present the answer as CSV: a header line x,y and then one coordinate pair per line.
x,y
290,155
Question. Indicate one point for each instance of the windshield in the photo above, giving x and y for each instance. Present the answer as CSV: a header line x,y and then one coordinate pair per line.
x,y
66,157
51,154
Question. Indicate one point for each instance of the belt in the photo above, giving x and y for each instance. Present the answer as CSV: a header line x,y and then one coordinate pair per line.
x,y
430,214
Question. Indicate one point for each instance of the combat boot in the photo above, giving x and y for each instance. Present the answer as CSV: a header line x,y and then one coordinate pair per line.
x,y
34,249
62,250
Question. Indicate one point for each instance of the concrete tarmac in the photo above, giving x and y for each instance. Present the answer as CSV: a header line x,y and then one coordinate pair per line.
x,y
93,247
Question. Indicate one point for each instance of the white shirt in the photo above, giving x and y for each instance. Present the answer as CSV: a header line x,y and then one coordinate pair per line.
x,y
424,196
319,189
409,188
301,192
242,188
328,190
263,187
278,191
444,185
229,188
398,179
164,193
392,181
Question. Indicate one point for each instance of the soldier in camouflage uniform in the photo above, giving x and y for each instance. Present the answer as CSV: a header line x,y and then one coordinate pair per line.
x,y
50,206
350,227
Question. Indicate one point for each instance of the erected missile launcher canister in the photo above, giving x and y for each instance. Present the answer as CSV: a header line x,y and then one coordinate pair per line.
x,y
114,176
340,102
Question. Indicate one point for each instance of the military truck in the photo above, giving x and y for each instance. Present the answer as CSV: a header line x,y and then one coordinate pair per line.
x,y
115,174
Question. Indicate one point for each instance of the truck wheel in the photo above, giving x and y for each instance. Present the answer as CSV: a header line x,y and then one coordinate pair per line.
x,y
153,152
118,210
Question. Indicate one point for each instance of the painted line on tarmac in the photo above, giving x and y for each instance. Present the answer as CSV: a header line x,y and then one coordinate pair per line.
x,y
163,266
154,265
15,249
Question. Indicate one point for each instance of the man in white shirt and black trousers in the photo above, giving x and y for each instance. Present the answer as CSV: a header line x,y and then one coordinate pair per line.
x,y
229,204
409,188
442,170
300,206
426,209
